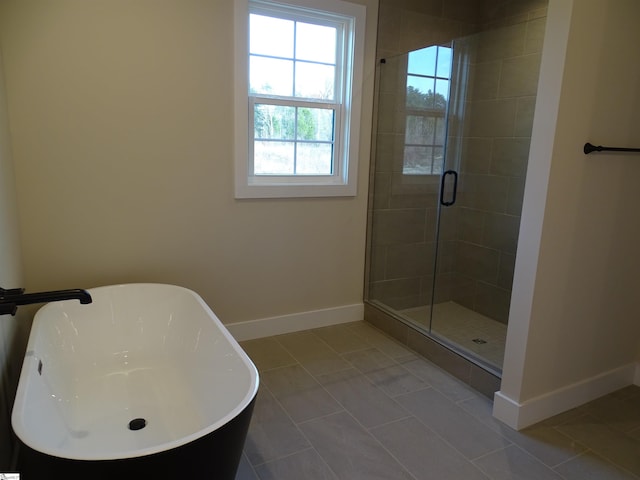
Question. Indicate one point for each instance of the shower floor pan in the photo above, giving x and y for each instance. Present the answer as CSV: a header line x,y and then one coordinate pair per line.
x,y
471,331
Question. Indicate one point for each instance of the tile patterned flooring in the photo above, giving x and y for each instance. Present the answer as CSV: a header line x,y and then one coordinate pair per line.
x,y
461,326
348,402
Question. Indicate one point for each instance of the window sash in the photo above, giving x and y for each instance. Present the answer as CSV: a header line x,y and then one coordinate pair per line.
x,y
336,164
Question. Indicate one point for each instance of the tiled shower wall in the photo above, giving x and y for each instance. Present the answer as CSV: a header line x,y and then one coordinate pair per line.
x,y
479,234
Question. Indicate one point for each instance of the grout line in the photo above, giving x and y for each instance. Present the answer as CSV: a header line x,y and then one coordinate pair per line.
x,y
282,457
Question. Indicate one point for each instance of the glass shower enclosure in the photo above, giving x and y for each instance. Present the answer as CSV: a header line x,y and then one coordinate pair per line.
x,y
451,150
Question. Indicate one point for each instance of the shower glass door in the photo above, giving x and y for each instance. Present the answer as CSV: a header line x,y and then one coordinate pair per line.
x,y
410,152
452,144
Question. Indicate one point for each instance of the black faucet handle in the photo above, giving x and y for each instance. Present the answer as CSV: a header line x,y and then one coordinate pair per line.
x,y
7,292
8,309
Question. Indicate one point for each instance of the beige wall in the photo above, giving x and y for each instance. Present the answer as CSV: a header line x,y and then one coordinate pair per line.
x,y
13,330
575,311
121,120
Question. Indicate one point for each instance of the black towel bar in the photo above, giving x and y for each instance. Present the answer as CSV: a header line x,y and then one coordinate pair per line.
x,y
588,148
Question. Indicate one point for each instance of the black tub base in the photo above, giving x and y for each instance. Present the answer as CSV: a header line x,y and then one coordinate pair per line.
x,y
213,457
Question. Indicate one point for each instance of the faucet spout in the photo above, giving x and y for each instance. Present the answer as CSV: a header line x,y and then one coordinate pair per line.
x,y
12,298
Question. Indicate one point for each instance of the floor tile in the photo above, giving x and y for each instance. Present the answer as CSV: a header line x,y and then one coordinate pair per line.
x,y
311,352
628,393
350,451
608,442
590,466
341,338
267,353
272,434
424,453
245,470
616,411
463,431
542,440
360,397
440,380
302,397
396,380
369,360
377,339
305,465
512,463
351,403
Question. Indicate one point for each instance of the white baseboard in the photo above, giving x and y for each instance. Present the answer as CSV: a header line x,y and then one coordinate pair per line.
x,y
520,415
266,327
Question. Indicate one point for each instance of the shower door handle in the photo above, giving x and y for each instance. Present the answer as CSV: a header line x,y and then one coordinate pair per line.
x,y
455,188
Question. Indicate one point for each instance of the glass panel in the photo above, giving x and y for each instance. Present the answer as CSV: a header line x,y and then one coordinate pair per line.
x,y
314,159
437,166
314,80
440,130
441,288
270,36
273,158
419,92
442,94
274,122
444,62
423,62
316,43
417,160
271,76
315,124
420,130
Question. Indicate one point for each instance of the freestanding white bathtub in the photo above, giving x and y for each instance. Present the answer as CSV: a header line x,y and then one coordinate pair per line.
x,y
144,380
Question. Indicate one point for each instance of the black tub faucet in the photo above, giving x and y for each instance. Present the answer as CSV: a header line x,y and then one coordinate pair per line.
x,y
11,298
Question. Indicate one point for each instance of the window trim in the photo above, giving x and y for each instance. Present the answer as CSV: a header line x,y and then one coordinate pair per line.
x,y
344,180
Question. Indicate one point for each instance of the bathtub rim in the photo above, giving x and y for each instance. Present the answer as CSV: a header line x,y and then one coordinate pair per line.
x,y
29,366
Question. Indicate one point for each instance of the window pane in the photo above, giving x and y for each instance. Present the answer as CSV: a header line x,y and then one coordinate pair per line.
x,y
444,62
442,93
273,158
271,76
423,62
270,36
417,160
314,159
438,160
316,43
420,130
315,81
441,124
420,92
274,122
315,124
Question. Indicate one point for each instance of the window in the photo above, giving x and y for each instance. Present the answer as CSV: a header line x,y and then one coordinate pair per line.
x,y
296,111
428,75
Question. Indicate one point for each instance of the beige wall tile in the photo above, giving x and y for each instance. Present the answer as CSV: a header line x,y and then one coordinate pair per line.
x,y
493,118
510,156
524,116
519,76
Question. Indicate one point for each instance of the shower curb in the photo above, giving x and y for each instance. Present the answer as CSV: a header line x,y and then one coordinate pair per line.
x,y
478,378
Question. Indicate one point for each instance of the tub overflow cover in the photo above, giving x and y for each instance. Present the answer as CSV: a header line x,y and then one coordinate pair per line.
x,y
137,424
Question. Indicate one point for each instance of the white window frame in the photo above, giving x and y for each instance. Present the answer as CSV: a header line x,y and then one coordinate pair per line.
x,y
343,181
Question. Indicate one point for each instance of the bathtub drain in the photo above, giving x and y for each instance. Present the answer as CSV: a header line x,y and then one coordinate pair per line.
x,y
137,424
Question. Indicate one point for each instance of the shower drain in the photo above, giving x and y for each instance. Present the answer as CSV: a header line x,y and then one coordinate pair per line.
x,y
479,341
137,424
